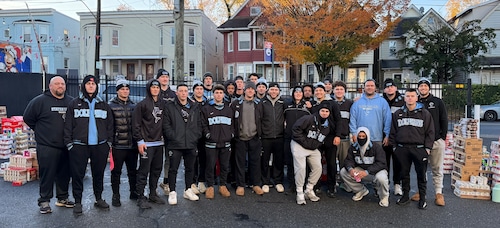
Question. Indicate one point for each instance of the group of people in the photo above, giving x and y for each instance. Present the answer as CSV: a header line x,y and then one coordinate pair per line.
x,y
233,129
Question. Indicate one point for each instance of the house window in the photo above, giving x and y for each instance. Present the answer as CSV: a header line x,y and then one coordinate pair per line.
x,y
244,70
172,70
430,21
85,37
231,72
27,34
114,39
161,37
243,41
191,36
310,73
6,33
259,40
259,70
230,42
216,45
392,48
114,67
172,36
192,68
66,35
254,10
66,63
44,31
46,63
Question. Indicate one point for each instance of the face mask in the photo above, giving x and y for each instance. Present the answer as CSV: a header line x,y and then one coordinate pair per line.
x,y
362,142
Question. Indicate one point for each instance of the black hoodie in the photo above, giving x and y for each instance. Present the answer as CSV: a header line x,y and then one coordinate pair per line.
x,y
148,118
182,132
310,131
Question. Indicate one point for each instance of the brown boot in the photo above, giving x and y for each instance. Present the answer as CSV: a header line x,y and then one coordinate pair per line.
x,y
439,199
209,193
415,197
223,191
240,191
258,190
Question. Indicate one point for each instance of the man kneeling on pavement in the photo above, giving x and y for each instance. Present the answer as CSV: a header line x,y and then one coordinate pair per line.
x,y
366,161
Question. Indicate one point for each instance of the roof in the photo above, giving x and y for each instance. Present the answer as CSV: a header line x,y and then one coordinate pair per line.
x,y
239,22
392,64
404,25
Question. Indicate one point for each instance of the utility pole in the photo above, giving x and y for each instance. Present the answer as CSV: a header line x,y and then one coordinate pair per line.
x,y
179,38
97,40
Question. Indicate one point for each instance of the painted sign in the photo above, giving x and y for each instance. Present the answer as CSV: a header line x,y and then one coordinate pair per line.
x,y
15,58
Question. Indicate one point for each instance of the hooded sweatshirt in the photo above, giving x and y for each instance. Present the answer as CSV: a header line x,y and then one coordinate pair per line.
x,y
414,128
370,156
310,131
373,113
148,118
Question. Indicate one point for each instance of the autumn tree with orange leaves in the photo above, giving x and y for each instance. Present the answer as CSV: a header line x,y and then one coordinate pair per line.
x,y
328,32
453,7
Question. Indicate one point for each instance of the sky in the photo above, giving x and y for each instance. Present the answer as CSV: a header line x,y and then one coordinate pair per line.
x,y
71,7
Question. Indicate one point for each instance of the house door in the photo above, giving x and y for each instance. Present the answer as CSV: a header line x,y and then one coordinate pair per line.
x,y
130,71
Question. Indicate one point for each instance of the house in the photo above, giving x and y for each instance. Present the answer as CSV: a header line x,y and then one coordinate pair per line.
x,y
489,14
137,43
389,63
58,34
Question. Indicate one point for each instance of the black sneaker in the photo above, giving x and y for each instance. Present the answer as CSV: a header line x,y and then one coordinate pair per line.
x,y
403,200
45,208
78,210
65,203
156,199
115,201
422,204
317,191
101,204
330,194
143,204
133,196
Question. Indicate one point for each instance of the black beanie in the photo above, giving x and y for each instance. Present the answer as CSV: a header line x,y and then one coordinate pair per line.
x,y
89,78
162,72
389,82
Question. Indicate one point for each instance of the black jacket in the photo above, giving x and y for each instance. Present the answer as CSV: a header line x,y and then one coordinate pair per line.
x,y
273,118
147,119
178,133
45,114
373,161
412,127
439,114
76,128
397,102
345,109
217,123
334,114
122,113
236,105
167,95
293,112
309,132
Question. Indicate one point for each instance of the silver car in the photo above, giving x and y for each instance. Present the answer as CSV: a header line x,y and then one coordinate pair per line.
x,y
490,112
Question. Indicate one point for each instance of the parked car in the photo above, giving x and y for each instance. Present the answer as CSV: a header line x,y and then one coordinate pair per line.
x,y
137,92
490,112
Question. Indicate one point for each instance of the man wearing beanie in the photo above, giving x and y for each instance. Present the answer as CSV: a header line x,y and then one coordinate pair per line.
x,y
88,133
208,80
436,158
273,120
308,134
247,131
261,86
166,94
395,101
199,166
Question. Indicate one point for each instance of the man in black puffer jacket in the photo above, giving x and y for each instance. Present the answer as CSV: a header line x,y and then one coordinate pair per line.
x,y
124,147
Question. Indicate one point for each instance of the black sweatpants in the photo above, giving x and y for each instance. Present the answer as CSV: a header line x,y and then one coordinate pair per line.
x,y
419,157
274,147
200,162
151,165
253,148
223,154
189,156
129,157
53,167
396,166
78,159
288,158
330,152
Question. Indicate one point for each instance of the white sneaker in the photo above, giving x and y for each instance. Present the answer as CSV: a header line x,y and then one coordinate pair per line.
x,y
172,198
265,188
397,190
309,194
165,188
384,202
195,189
280,188
201,187
359,195
189,194
301,200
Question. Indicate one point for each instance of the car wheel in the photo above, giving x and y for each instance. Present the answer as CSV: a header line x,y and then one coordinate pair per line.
x,y
490,116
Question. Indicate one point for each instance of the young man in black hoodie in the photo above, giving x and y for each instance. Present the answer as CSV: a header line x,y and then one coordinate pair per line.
x,y
182,129
218,131
309,133
88,133
147,128
412,134
45,114
199,165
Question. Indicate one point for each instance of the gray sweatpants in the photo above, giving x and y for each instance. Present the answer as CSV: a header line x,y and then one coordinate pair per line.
x,y
380,181
313,159
436,159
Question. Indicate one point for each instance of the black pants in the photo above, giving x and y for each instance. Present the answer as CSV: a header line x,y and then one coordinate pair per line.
x,y
78,159
330,152
53,167
150,165
189,156
288,158
253,148
200,162
419,157
129,157
223,154
396,166
275,147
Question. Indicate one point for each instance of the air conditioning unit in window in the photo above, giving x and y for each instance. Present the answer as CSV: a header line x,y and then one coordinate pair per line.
x,y
255,10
